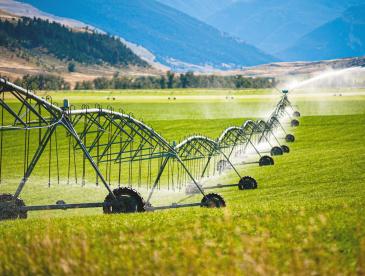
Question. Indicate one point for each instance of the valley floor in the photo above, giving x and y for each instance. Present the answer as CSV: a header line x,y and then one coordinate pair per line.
x,y
306,217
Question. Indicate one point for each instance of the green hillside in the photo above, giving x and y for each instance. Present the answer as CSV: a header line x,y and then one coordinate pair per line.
x,y
66,44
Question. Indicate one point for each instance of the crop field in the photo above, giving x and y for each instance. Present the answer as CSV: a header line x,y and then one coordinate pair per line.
x,y
306,217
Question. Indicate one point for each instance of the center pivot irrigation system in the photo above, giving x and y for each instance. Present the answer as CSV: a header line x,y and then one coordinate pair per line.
x,y
105,147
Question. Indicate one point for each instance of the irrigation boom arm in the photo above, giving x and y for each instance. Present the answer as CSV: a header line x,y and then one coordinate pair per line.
x,y
106,136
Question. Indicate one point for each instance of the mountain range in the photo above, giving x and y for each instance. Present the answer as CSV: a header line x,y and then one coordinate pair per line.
x,y
205,35
340,38
271,25
286,29
201,9
176,39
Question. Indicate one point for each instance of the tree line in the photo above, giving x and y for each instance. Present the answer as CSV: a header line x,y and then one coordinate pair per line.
x,y
173,80
43,82
167,81
88,47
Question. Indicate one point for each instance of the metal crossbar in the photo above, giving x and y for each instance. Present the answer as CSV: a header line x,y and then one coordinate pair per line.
x,y
107,137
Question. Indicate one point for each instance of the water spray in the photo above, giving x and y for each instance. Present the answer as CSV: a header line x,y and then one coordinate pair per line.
x,y
116,145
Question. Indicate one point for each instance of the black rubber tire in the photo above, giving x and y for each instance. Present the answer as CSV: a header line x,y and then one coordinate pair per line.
x,y
213,201
294,123
9,207
276,151
290,138
266,161
127,200
247,183
285,148
296,114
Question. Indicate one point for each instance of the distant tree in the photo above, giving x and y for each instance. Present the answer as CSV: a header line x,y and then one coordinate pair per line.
x,y
241,82
170,79
43,82
71,67
187,80
163,82
88,85
84,85
101,83
122,83
183,81
78,86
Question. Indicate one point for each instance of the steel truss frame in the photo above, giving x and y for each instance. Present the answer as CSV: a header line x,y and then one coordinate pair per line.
x,y
103,135
249,134
47,116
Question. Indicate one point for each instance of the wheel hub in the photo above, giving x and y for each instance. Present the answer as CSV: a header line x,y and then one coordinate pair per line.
x,y
289,138
247,183
266,161
285,149
276,151
126,200
10,207
213,201
294,123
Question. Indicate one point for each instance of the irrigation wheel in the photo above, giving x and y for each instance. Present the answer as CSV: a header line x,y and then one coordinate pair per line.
x,y
213,201
294,123
127,201
290,138
9,207
296,114
247,183
285,149
276,151
266,161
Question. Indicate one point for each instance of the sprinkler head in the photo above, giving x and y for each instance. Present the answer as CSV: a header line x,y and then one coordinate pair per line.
x,y
66,104
285,91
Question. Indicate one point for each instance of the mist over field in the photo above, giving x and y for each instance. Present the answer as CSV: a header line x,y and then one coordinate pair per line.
x,y
170,137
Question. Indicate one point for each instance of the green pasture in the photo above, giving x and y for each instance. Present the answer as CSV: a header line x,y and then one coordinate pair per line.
x,y
306,217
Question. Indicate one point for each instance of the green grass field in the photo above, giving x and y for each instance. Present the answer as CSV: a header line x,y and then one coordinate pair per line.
x,y
306,217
